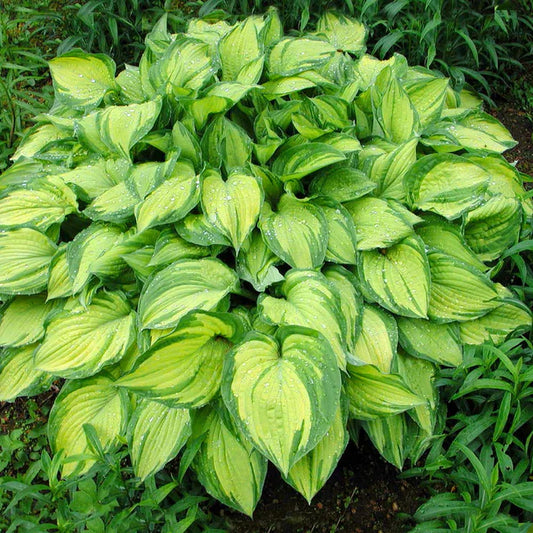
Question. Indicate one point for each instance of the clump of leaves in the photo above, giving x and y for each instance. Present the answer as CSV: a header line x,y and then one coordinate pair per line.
x,y
221,249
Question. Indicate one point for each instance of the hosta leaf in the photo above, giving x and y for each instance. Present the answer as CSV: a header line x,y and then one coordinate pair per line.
x,y
297,232
493,227
188,144
185,367
172,200
473,131
197,230
22,320
350,301
170,248
44,202
181,287
342,242
185,65
510,316
80,341
114,205
283,392
291,56
25,256
238,48
397,278
256,263
389,169
301,160
18,375
373,394
232,206
92,401
342,184
310,301
81,80
446,184
312,471
86,248
118,128
388,436
458,291
228,466
378,340
129,81
378,223
438,343
440,235
343,33
38,141
394,115
428,97
420,377
59,282
156,435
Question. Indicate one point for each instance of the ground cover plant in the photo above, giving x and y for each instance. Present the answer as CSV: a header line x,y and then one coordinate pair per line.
x,y
246,246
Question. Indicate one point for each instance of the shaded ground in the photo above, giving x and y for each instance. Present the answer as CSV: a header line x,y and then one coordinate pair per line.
x,y
363,495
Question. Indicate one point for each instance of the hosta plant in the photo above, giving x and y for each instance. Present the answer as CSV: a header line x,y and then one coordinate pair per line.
x,y
248,244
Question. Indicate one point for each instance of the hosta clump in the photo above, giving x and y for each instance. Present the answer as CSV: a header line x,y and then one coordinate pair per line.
x,y
247,244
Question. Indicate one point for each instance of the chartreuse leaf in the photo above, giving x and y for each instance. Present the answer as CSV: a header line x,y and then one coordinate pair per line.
x,y
184,66
389,169
350,301
227,465
297,232
428,97
342,183
59,282
156,434
419,375
458,291
493,227
18,375
312,471
440,235
45,201
342,32
397,278
169,248
376,345
129,81
373,394
25,256
181,287
282,392
238,49
93,401
309,300
172,200
196,229
438,343
81,80
301,160
473,130
378,223
40,138
80,341
22,320
394,115
388,436
187,143
232,206
185,368
445,184
342,241
509,316
256,263
86,248
292,56
117,129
